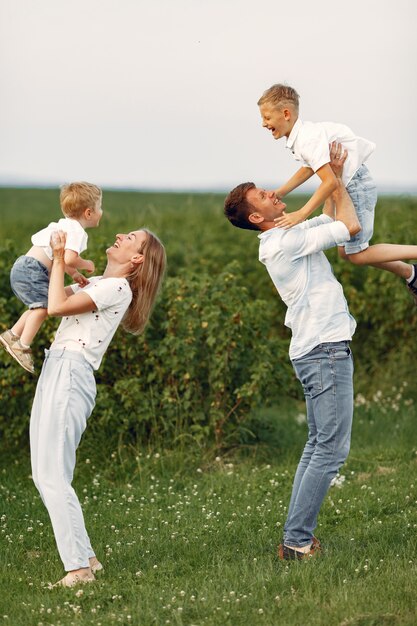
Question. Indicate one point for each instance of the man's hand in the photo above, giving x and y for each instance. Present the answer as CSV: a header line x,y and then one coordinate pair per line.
x,y
338,156
288,220
80,279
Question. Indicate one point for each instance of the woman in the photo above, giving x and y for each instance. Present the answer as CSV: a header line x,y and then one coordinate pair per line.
x,y
66,389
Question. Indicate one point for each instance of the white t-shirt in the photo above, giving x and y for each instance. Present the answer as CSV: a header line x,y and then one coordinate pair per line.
x,y
317,309
90,333
309,143
76,236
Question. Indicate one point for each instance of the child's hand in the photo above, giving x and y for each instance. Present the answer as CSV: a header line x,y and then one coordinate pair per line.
x,y
80,279
289,220
89,266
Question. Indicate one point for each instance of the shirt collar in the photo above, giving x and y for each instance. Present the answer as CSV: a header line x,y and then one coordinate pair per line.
x,y
293,134
75,222
266,233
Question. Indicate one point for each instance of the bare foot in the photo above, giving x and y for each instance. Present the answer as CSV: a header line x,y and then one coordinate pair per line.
x,y
95,564
76,577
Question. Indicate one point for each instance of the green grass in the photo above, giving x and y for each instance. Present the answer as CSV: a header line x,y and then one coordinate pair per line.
x,y
186,539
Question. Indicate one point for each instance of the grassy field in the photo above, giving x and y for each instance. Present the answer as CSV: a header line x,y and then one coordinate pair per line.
x,y
188,538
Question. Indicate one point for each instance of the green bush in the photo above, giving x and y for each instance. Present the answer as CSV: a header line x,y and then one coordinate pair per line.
x,y
216,347
206,359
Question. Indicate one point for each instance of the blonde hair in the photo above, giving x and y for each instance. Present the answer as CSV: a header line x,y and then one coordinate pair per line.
x,y
145,281
280,96
75,198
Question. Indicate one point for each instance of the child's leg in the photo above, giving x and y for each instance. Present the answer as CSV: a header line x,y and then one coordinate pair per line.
x,y
32,324
404,270
399,268
382,254
17,329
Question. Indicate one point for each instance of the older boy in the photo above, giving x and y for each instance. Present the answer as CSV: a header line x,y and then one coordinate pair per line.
x,y
29,276
309,144
321,327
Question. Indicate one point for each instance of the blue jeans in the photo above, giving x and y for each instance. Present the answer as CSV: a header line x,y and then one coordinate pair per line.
x,y
362,192
29,280
326,374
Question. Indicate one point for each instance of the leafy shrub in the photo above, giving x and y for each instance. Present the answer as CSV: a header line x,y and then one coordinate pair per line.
x,y
206,359
216,347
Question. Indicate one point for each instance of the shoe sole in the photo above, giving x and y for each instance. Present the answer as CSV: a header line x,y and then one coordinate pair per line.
x,y
288,554
8,349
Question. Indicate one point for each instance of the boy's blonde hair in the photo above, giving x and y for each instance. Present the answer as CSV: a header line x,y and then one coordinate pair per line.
x,y
280,96
75,198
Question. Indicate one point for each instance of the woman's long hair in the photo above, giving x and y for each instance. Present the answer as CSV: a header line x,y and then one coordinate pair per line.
x,y
145,281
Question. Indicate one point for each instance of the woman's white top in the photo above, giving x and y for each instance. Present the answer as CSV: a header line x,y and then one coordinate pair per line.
x,y
90,333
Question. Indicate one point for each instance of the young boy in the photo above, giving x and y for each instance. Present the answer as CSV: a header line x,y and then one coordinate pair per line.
x,y
309,144
29,276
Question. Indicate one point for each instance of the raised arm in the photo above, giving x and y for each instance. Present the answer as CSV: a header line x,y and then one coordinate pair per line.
x,y
327,186
300,177
345,211
340,200
60,302
73,259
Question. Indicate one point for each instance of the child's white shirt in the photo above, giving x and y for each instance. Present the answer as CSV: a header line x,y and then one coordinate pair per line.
x,y
90,333
309,143
76,236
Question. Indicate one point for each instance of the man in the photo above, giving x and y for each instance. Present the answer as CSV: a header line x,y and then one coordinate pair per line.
x,y
321,327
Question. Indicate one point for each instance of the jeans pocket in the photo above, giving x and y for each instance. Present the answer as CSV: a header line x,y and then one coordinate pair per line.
x,y
310,376
340,353
363,197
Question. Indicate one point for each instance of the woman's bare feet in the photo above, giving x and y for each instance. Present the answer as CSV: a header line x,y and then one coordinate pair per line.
x,y
95,564
76,577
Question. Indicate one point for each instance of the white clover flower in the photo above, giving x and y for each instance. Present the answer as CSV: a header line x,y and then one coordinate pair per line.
x,y
300,418
338,481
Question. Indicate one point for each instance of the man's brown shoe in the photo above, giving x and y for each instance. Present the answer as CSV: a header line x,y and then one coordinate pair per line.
x,y
285,553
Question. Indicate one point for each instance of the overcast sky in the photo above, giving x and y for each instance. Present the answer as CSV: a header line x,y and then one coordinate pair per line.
x,y
162,93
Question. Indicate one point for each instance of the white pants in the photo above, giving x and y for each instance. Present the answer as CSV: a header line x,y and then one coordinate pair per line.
x,y
63,402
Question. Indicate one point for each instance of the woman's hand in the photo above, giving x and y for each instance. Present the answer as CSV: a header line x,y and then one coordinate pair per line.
x,y
57,243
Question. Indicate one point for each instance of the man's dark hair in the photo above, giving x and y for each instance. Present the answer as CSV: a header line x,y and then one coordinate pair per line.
x,y
237,208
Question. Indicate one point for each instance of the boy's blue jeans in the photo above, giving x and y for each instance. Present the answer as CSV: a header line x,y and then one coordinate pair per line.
x,y
326,374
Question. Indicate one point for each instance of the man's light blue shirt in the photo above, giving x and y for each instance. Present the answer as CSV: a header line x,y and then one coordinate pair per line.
x,y
317,309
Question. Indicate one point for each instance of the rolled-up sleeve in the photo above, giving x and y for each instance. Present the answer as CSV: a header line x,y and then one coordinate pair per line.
x,y
299,242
